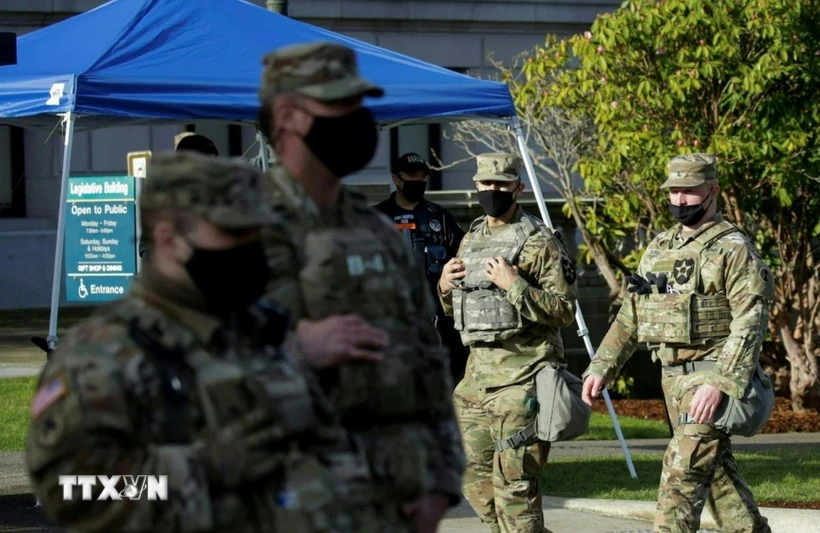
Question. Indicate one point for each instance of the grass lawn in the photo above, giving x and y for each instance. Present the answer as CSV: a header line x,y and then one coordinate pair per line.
x,y
15,400
16,394
601,428
783,476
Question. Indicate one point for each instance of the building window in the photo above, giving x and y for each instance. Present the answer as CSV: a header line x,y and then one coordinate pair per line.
x,y
423,139
12,173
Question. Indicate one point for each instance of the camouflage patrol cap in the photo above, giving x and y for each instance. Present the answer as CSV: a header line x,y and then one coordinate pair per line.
x,y
320,70
228,193
690,170
498,167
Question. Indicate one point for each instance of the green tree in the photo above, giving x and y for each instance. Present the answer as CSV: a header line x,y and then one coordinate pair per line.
x,y
737,78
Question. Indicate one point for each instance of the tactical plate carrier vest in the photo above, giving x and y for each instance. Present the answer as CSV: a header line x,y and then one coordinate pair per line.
x,y
319,484
358,267
685,315
481,310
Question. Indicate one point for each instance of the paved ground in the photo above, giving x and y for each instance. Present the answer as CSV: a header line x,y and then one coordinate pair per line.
x,y
18,514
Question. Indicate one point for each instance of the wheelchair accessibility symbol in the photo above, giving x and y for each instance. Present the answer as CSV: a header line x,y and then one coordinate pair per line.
x,y
82,291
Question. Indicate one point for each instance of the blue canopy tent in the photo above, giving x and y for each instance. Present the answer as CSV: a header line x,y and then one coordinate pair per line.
x,y
133,60
148,61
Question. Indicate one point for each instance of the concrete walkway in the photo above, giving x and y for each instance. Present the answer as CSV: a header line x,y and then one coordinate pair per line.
x,y
561,515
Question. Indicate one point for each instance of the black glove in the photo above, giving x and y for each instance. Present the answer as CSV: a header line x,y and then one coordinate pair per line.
x,y
638,285
659,281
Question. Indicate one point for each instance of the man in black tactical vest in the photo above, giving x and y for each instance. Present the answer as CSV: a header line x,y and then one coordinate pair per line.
x,y
433,234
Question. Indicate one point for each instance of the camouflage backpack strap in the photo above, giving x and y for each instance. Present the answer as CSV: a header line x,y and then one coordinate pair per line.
x,y
526,228
717,232
166,350
477,224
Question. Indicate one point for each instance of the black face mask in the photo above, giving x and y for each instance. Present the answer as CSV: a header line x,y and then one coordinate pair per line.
x,y
495,203
689,215
230,279
343,144
413,190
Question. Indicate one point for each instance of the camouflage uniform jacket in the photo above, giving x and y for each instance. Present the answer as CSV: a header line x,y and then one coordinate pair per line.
x,y
350,259
126,402
729,267
544,293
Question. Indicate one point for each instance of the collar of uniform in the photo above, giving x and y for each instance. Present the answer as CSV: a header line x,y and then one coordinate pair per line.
x,y
517,216
293,190
300,199
685,239
203,325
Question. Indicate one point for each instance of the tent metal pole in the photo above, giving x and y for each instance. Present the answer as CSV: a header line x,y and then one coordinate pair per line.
x,y
583,332
68,120
263,150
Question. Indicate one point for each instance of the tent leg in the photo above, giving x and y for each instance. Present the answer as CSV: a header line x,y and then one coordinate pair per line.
x,y
263,150
583,332
58,253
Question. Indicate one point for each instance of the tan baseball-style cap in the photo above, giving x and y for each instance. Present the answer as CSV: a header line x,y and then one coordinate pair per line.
x,y
227,192
498,167
690,170
320,70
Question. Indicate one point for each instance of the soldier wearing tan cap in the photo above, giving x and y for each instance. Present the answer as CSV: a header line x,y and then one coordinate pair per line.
x,y
337,257
511,289
181,379
700,302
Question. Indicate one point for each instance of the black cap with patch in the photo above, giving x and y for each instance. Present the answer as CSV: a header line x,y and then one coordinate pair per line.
x,y
410,163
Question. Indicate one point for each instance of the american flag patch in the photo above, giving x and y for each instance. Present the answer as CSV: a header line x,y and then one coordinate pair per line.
x,y
47,395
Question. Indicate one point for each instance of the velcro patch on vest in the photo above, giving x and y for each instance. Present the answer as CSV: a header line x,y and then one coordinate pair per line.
x,y
664,265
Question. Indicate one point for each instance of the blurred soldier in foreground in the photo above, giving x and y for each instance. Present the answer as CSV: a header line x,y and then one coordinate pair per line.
x,y
181,378
433,234
186,142
336,257
700,301
510,288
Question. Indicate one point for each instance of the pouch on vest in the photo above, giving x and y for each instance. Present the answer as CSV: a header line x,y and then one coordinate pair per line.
x,y
746,416
562,414
665,318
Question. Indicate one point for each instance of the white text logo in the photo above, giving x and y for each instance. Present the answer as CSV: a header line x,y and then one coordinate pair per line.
x,y
117,487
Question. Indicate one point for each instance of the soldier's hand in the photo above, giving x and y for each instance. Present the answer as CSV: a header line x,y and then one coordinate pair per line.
x,y
500,273
427,512
453,271
638,285
240,452
340,338
705,403
592,389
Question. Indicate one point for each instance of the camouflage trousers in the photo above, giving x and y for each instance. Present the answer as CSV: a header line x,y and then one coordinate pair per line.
x,y
502,487
698,469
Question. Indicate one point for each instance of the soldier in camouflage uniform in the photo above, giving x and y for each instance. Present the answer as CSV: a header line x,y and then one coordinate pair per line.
x,y
337,257
182,378
510,289
700,301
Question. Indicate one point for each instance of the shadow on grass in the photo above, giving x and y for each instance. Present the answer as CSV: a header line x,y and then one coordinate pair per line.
x,y
773,476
